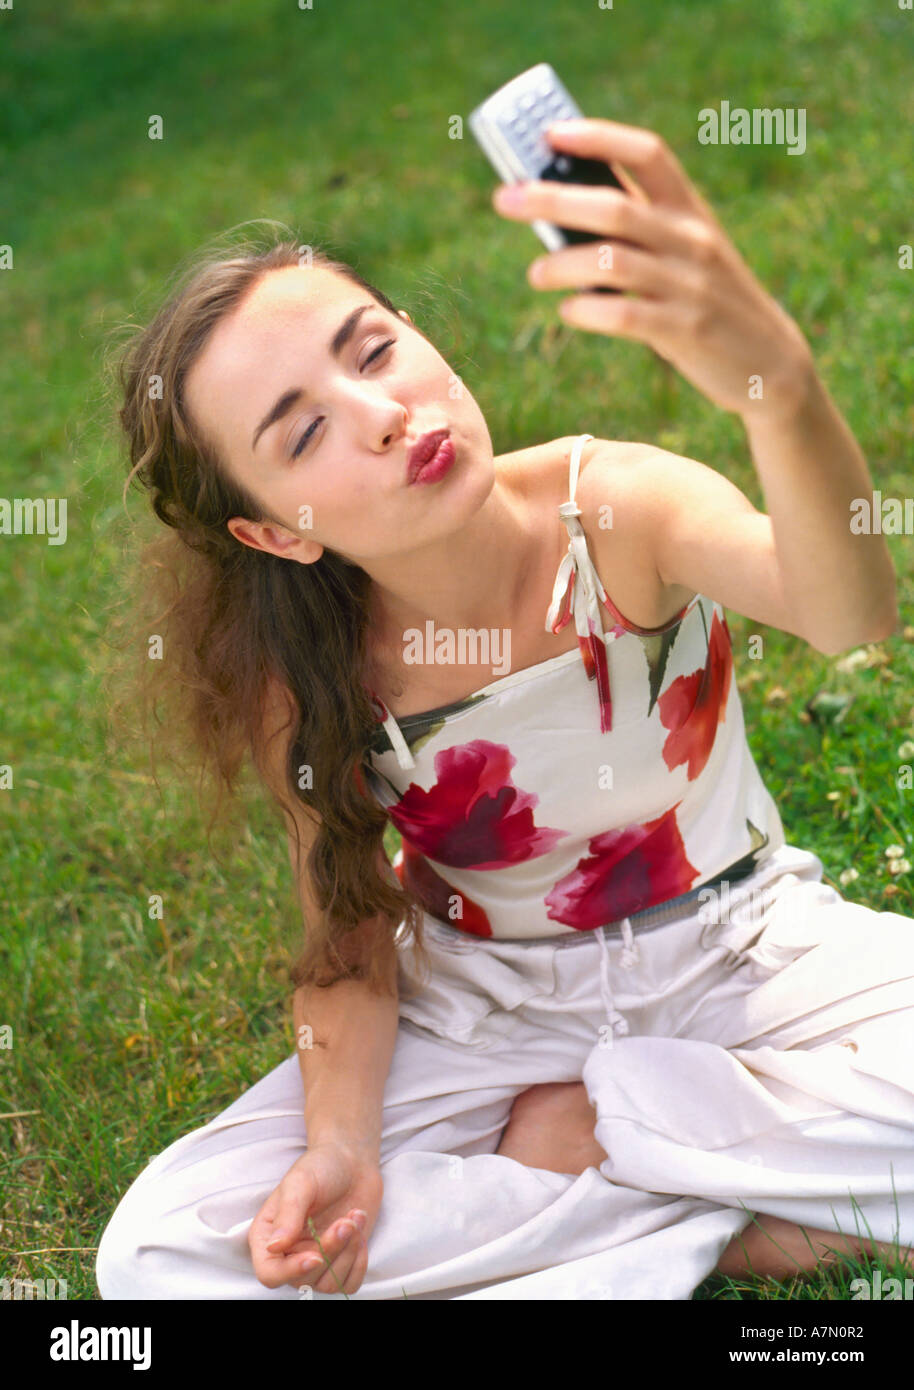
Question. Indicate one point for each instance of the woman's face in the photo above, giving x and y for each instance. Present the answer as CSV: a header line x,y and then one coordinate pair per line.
x,y
332,466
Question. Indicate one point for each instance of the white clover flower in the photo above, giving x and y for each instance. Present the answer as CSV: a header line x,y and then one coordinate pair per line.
x,y
894,852
852,661
847,876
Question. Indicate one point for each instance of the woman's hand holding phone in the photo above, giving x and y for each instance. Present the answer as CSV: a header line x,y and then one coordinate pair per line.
x,y
340,1189
688,293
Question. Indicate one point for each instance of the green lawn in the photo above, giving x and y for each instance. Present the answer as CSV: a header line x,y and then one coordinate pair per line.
x,y
129,1032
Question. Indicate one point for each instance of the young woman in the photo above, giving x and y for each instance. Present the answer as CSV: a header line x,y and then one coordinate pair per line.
x,y
603,1031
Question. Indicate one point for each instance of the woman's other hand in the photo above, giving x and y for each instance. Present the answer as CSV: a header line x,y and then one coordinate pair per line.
x,y
339,1188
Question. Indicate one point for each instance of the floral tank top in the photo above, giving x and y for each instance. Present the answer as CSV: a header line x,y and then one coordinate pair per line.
x,y
584,789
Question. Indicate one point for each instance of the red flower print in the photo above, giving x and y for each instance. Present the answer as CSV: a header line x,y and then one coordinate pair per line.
x,y
473,818
628,870
694,705
416,873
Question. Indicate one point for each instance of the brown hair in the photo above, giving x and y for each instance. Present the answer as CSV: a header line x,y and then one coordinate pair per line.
x,y
240,625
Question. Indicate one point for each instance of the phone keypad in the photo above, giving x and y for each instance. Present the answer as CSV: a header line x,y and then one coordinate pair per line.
x,y
525,121
523,112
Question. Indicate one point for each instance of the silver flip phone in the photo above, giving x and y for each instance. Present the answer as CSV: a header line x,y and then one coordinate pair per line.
x,y
509,127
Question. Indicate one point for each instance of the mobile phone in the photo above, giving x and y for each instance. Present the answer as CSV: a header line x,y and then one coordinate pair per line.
x,y
510,128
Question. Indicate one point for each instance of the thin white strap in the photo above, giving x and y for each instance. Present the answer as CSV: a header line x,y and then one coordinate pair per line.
x,y
578,585
392,729
576,561
576,463
401,747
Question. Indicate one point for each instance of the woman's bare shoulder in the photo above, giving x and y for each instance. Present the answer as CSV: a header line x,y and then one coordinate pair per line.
x,y
616,495
547,465
541,472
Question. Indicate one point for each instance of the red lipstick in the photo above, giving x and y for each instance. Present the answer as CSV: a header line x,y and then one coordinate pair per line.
x,y
430,457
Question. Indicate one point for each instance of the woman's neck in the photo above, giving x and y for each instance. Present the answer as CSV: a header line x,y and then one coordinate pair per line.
x,y
474,578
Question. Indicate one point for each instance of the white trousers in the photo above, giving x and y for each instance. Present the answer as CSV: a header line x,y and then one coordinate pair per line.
x,y
767,1067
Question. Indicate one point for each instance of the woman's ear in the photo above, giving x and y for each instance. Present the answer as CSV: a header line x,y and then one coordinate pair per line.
x,y
404,315
275,540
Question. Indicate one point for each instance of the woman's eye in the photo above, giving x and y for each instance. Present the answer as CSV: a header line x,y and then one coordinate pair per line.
x,y
377,352
304,439
310,430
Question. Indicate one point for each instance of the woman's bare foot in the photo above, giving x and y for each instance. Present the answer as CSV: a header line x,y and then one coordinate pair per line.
x,y
777,1249
551,1126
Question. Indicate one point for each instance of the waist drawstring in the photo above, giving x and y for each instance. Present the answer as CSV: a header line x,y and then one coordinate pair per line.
x,y
630,956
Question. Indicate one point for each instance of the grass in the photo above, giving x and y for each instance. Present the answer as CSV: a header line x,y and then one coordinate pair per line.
x,y
129,1032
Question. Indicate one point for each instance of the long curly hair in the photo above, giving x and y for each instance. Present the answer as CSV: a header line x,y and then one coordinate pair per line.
x,y
245,633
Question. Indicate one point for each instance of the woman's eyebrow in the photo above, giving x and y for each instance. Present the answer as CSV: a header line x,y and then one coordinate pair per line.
x,y
288,398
